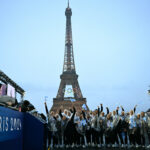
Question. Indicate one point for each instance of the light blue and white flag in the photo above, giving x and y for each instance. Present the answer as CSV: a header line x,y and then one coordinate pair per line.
x,y
72,100
84,107
46,97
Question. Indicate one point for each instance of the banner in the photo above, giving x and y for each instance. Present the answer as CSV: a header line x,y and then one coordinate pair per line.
x,y
3,88
11,129
21,131
10,91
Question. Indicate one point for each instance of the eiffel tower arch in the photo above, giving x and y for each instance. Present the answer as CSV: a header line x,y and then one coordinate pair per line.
x,y
69,92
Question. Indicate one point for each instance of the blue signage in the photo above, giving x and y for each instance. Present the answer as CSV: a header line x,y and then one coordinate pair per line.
x,y
11,129
20,131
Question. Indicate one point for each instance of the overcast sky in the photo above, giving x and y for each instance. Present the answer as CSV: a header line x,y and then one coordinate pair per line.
x,y
111,40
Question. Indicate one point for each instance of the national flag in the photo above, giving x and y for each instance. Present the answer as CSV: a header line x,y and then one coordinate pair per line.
x,y
72,100
84,107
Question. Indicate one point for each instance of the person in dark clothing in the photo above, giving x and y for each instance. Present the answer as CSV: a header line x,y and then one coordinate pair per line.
x,y
70,130
144,128
109,131
138,131
89,130
98,127
132,127
103,124
122,129
115,118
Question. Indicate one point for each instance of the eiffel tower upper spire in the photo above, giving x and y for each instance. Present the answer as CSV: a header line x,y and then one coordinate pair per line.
x,y
68,3
69,65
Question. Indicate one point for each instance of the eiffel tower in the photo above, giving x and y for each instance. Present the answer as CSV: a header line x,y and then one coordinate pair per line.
x,y
69,92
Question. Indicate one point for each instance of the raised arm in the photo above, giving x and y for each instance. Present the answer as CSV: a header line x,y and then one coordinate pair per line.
x,y
98,111
71,110
107,110
117,110
60,114
83,113
135,108
122,108
46,108
101,107
74,111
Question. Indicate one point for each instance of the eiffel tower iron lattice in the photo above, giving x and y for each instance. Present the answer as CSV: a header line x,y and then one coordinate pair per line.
x,y
69,76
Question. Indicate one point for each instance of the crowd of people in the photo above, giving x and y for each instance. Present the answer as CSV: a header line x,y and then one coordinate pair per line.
x,y
97,129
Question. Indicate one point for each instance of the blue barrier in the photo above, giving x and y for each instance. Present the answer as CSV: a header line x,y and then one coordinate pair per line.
x,y
33,134
11,129
20,131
